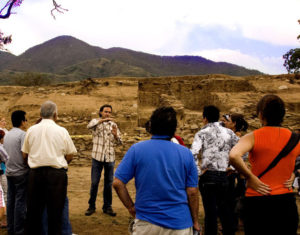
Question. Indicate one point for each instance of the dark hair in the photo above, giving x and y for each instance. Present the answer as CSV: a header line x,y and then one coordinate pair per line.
x,y
163,121
211,113
2,134
17,117
240,122
147,126
272,109
104,106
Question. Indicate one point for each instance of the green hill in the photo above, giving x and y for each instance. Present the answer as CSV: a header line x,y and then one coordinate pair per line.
x,y
66,58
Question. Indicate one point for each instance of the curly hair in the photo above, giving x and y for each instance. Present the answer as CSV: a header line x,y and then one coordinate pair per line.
x,y
163,121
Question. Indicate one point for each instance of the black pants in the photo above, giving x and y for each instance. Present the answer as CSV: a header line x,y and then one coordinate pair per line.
x,y
271,215
213,186
47,186
236,193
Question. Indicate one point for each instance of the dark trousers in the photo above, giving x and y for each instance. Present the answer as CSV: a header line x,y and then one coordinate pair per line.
x,y
66,228
108,180
236,193
274,215
47,187
213,186
16,204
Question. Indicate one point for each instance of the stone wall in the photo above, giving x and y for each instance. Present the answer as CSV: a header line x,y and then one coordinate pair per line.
x,y
192,92
188,96
84,146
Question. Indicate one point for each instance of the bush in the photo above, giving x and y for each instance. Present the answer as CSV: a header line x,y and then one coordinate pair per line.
x,y
31,79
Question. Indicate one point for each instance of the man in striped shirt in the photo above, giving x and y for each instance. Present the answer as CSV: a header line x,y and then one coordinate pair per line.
x,y
106,136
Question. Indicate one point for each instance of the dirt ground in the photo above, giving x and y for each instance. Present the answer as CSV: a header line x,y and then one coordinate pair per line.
x,y
99,223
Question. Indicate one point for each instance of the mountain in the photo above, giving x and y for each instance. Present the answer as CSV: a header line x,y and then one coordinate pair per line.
x,y
69,57
5,58
54,55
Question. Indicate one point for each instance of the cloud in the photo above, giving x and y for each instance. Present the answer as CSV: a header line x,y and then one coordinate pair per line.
x,y
269,65
272,21
264,30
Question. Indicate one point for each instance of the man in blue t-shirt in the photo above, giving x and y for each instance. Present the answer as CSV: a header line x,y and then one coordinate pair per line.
x,y
166,181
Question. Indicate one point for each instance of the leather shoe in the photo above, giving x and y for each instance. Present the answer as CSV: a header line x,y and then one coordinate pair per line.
x,y
90,211
109,211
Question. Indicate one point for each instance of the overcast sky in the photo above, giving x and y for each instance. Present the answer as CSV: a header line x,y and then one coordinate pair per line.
x,y
254,34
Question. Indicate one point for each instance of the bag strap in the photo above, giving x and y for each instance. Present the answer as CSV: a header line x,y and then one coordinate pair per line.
x,y
291,144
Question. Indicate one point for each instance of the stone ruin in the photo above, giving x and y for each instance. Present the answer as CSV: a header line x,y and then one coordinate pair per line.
x,y
134,99
188,95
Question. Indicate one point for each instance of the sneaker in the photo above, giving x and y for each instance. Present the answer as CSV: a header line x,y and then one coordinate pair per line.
x,y
109,211
90,211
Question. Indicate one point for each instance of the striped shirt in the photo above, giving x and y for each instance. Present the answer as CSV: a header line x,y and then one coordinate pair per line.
x,y
103,140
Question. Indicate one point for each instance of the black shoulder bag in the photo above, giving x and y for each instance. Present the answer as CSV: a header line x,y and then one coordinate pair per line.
x,y
291,144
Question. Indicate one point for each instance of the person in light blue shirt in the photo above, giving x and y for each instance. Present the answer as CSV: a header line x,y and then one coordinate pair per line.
x,y
166,181
16,173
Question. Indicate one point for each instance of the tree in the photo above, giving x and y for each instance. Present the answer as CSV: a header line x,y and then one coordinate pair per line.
x,y
10,4
6,12
4,40
292,59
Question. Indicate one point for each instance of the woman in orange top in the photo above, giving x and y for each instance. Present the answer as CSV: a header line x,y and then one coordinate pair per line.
x,y
270,206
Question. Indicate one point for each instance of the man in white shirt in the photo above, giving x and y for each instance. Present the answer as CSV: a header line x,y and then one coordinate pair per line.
x,y
48,148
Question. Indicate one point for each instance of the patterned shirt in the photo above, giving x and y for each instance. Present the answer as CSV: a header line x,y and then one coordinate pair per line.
x,y
103,140
214,142
3,154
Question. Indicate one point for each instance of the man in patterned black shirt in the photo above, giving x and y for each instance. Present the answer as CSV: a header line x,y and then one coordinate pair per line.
x,y
214,142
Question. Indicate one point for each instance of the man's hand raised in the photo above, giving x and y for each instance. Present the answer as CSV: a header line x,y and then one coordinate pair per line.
x,y
114,131
101,120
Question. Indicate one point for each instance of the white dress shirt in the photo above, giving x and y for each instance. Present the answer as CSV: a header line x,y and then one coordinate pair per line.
x,y
46,144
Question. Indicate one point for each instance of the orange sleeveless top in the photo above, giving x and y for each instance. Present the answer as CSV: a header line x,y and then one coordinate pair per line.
x,y
268,142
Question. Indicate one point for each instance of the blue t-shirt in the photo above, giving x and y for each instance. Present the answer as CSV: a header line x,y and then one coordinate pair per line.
x,y
162,170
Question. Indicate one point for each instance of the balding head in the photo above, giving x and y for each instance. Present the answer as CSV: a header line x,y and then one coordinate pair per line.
x,y
48,110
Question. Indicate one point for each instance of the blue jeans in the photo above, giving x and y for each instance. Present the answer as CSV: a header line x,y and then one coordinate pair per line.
x,y
108,179
16,203
66,228
213,186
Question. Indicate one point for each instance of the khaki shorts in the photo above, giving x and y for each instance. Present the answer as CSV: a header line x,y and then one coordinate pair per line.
x,y
141,227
